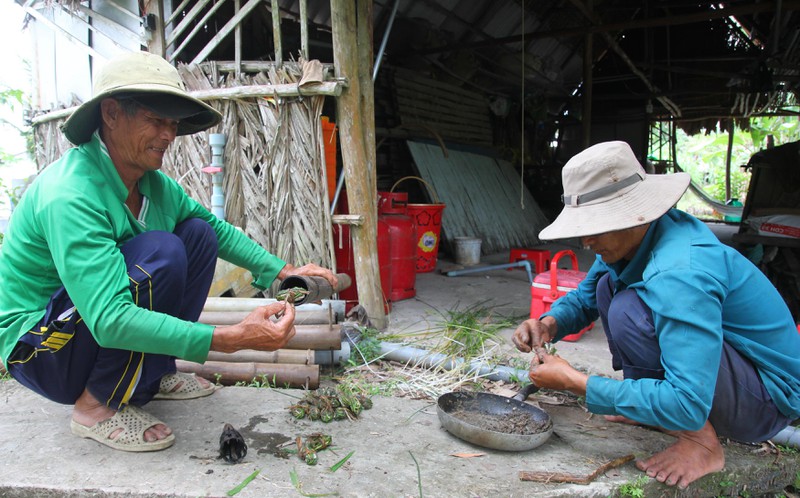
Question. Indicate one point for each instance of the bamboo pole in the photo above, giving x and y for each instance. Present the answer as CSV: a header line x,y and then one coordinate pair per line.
x,y
356,121
280,375
197,28
304,29
276,33
188,20
316,337
320,317
326,88
225,31
292,356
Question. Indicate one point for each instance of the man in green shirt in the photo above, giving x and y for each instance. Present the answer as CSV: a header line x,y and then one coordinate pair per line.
x,y
106,264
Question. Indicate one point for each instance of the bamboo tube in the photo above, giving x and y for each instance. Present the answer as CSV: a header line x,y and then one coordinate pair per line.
x,y
290,356
249,303
317,337
316,317
338,356
280,375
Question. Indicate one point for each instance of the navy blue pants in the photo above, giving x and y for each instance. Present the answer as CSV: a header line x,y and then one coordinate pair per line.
x,y
59,359
742,409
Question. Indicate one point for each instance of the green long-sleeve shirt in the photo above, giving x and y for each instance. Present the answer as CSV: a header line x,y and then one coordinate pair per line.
x,y
68,229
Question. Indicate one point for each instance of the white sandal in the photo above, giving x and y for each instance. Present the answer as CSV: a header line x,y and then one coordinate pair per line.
x,y
134,422
190,387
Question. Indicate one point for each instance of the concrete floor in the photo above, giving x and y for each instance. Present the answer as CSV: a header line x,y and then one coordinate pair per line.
x,y
399,448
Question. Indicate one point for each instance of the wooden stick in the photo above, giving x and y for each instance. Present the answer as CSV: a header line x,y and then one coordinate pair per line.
x,y
530,475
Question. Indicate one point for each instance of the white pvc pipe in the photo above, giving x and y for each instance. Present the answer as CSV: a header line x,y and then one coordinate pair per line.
x,y
417,356
217,142
789,436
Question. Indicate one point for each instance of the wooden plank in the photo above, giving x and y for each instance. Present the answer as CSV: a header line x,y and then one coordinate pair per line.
x,y
200,26
177,12
100,21
347,219
57,29
187,20
225,31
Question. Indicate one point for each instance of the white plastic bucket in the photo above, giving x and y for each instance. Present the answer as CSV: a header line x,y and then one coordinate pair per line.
x,y
467,251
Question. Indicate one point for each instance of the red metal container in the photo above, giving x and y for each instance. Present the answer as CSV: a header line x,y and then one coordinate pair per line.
x,y
393,209
345,263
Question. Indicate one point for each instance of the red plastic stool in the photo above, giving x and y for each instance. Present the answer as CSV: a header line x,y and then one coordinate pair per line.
x,y
539,258
550,285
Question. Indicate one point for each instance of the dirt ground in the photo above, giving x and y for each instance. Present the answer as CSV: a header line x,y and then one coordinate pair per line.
x,y
397,448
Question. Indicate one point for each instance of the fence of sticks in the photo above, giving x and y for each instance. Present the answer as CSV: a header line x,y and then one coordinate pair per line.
x,y
274,173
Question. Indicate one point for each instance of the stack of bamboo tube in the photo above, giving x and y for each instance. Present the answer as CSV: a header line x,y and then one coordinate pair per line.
x,y
318,339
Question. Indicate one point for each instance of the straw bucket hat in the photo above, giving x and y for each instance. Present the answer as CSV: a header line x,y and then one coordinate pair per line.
x,y
152,82
606,189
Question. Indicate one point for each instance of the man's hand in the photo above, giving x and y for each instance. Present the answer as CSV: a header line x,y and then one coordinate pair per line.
x,y
309,270
257,331
533,334
553,372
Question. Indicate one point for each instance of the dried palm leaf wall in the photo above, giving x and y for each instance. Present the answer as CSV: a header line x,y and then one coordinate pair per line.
x,y
274,172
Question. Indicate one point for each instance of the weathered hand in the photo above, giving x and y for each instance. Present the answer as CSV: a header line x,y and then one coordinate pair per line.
x,y
554,372
532,335
257,331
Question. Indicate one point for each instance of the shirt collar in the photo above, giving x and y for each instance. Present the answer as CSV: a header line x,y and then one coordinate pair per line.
x,y
632,272
97,147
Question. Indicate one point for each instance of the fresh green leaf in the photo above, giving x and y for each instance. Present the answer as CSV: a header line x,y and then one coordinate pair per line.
x,y
244,483
341,462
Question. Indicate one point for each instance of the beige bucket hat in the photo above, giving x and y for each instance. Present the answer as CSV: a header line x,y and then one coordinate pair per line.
x,y
606,189
151,81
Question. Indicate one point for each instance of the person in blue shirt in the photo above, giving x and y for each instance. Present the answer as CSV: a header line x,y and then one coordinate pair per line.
x,y
700,359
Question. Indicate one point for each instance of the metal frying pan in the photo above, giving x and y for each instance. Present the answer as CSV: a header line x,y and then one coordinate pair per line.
x,y
483,419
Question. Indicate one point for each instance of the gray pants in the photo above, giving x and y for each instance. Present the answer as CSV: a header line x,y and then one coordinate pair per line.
x,y
742,409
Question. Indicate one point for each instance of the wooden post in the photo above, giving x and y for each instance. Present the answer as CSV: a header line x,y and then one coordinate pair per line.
x,y
304,29
156,44
351,22
728,160
237,41
588,60
276,33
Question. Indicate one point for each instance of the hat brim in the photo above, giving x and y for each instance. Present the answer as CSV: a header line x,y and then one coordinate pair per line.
x,y
643,203
78,128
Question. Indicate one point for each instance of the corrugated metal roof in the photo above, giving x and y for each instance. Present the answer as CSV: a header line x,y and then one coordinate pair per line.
x,y
484,198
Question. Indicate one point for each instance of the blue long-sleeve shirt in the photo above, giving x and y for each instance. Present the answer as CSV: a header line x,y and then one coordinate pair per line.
x,y
701,293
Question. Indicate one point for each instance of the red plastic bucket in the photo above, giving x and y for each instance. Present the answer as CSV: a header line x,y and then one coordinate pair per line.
x,y
428,218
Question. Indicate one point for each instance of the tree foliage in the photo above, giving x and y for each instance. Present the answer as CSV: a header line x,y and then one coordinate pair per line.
x,y
704,157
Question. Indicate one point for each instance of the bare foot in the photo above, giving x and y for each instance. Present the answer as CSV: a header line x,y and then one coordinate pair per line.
x,y
88,411
695,454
